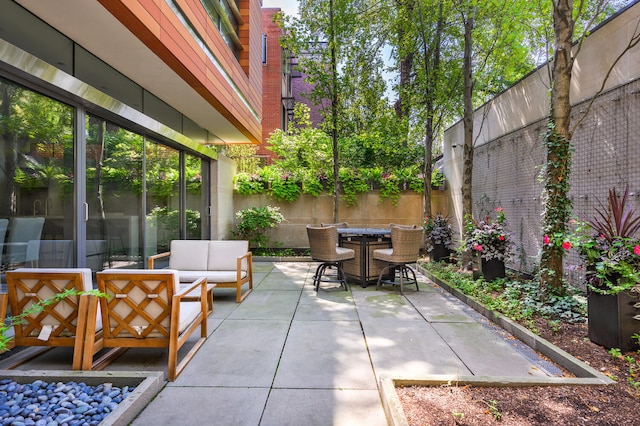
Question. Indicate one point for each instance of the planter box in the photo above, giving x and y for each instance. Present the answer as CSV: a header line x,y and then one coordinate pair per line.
x,y
147,384
611,322
492,269
439,252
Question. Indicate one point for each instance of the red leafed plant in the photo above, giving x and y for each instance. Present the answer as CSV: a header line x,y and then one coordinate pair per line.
x,y
617,219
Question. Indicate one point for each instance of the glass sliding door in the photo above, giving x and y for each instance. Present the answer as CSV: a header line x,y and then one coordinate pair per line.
x,y
114,195
163,222
36,179
197,198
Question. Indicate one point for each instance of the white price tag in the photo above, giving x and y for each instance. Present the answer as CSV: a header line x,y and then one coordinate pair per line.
x,y
45,333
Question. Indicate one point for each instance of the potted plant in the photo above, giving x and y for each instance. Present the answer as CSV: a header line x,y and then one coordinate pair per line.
x,y
438,232
611,253
489,240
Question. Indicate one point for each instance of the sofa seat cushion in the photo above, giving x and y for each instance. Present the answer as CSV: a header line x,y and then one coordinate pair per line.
x,y
212,276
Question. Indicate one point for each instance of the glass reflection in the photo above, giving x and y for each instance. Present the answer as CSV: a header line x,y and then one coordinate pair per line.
x,y
197,200
163,197
114,195
36,179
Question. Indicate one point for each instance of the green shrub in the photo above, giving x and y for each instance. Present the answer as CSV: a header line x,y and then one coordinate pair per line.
x,y
352,184
247,184
390,188
254,222
284,187
437,178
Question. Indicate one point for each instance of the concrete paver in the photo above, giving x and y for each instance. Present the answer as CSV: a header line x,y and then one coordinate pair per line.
x,y
205,406
325,355
322,407
240,353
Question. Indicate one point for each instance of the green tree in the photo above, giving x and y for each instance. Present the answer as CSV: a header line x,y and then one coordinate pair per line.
x,y
340,56
429,75
244,156
302,146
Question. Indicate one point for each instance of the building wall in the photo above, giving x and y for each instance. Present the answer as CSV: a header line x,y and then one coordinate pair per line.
x,y
272,87
509,154
157,25
301,90
222,205
129,74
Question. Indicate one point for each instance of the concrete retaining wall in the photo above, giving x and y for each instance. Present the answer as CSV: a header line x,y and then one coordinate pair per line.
x,y
370,212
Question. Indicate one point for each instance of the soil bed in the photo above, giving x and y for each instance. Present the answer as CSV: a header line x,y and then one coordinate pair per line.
x,y
617,404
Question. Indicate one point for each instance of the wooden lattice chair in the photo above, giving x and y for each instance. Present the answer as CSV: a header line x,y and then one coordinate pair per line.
x,y
144,309
323,243
68,321
405,249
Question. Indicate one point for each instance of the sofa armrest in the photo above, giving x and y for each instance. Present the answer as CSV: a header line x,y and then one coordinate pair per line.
x,y
152,259
245,259
203,299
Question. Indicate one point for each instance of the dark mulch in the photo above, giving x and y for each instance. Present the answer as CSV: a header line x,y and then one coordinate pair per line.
x,y
617,404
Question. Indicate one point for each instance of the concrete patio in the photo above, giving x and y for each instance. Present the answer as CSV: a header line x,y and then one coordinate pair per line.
x,y
290,356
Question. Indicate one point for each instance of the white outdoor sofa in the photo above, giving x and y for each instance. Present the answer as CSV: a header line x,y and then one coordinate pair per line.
x,y
225,263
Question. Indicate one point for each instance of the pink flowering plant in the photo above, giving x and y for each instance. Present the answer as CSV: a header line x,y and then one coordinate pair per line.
x,y
489,238
609,247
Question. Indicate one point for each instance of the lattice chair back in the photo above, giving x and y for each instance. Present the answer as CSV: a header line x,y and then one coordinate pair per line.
x,y
67,314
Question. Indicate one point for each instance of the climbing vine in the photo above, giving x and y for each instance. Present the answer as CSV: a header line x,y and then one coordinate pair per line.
x,y
557,207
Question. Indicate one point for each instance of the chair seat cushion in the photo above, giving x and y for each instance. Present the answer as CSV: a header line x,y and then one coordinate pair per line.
x,y
345,253
188,312
384,254
211,276
387,255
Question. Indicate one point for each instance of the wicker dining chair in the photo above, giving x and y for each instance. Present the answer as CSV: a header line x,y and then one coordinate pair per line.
x,y
405,249
323,242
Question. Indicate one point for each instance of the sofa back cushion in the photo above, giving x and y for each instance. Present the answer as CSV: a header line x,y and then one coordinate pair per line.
x,y
223,255
189,255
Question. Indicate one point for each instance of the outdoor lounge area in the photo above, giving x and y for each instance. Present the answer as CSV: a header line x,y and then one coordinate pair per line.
x,y
328,350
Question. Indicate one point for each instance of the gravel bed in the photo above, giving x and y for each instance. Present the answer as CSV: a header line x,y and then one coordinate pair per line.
x,y
57,404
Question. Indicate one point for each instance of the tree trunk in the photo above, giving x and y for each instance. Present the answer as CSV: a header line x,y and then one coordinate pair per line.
x,y
431,57
406,64
558,141
9,156
334,114
467,173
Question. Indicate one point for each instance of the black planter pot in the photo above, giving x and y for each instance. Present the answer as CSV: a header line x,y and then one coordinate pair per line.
x,y
439,252
611,322
492,269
